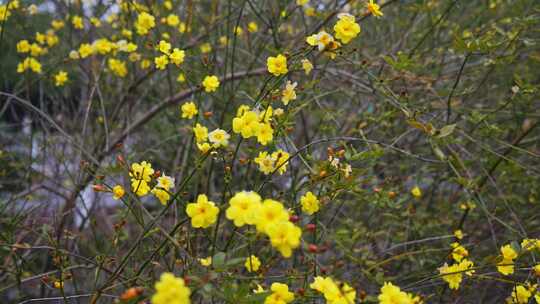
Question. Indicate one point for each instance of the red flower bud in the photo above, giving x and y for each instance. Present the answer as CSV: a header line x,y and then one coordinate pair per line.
x,y
294,218
311,227
313,248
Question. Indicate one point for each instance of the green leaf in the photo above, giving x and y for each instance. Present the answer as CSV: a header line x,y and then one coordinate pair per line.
x,y
446,130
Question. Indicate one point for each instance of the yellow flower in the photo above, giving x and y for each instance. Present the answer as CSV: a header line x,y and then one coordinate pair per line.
x,y
173,20
201,133
506,266
171,290
57,24
416,192
374,8
253,27
36,50
346,28
164,47
453,274
265,134
322,40
77,22
307,66
102,46
142,171
23,46
60,78
243,208
118,67
282,159
301,2
161,62
204,147
252,263
145,64
181,78
210,83
219,138
520,295
284,236
162,195
95,22
280,294
189,109
459,252
530,244
139,187
206,261
310,203
203,213
288,93
165,182
118,192
29,63
391,294
277,65
85,50
458,234
205,48
177,56
270,213
266,162
144,23
246,124
223,40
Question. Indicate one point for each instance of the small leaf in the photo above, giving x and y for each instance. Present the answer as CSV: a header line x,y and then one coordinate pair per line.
x,y
447,130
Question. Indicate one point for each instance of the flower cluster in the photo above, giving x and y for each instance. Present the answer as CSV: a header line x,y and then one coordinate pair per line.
x,y
269,217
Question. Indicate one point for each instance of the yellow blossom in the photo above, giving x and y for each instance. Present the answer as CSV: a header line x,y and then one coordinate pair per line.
x,y
206,261
374,8
164,47
171,290
205,48
307,66
346,28
289,92
253,27
416,192
391,294
173,20
280,294
144,23
189,109
282,159
85,50
520,295
270,213
77,22
203,213
252,263
310,203
118,192
177,56
219,138
23,46
277,65
266,162
284,236
201,133
161,62
243,208
458,234
265,134
60,78
118,67
506,266
210,83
